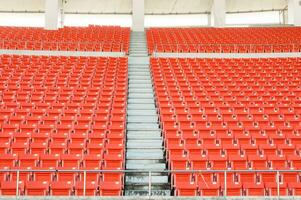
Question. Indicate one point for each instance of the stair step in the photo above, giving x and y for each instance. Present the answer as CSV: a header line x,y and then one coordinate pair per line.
x,y
146,162
139,77
139,86
141,101
139,48
141,119
142,90
146,192
141,106
144,147
144,144
133,51
146,152
142,155
141,96
142,112
144,133
138,137
141,81
145,73
139,68
139,55
147,166
142,126
138,60
145,179
140,65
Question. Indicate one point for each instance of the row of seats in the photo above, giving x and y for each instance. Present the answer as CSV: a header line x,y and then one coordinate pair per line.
x,y
224,40
91,38
62,113
60,188
93,161
238,114
245,185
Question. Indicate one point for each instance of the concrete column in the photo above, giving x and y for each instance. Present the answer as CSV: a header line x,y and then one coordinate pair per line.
x,y
138,15
209,19
218,13
52,14
294,12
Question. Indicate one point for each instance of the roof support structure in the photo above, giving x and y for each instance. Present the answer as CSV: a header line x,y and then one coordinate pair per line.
x,y
138,15
218,13
53,17
294,14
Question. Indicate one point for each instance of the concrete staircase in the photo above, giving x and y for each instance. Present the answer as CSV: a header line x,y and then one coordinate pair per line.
x,y
144,142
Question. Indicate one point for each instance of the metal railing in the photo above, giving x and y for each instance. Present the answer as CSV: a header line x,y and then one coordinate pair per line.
x,y
150,174
226,48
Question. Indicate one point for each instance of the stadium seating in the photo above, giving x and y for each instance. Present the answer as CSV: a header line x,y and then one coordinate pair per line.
x,y
239,114
92,38
60,113
224,40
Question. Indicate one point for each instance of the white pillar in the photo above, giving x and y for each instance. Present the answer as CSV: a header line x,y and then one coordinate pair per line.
x,y
209,19
138,15
218,13
52,14
294,12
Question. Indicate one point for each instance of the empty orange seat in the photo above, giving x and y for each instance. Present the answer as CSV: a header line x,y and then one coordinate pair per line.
x,y
61,188
36,188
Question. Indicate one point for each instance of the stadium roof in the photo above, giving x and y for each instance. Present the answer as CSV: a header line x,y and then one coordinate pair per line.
x,y
151,6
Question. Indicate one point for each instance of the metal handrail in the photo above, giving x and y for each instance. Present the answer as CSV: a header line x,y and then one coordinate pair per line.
x,y
150,172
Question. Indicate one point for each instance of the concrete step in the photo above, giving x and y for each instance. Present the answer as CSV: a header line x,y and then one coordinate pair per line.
x,y
138,55
142,137
139,85
140,42
141,106
147,134
144,148
142,180
142,112
145,192
138,60
142,154
142,126
139,137
141,65
138,47
146,144
136,51
140,81
146,162
141,101
157,152
142,90
146,166
139,77
139,73
139,119
140,70
141,96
